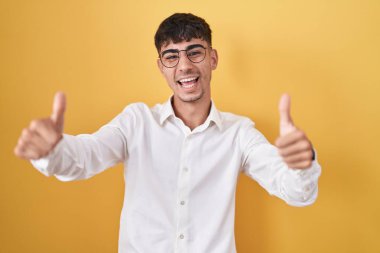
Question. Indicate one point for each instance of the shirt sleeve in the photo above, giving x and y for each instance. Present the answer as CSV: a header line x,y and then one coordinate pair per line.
x,y
83,156
263,163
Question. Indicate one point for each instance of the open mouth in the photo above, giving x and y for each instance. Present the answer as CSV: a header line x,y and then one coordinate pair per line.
x,y
188,82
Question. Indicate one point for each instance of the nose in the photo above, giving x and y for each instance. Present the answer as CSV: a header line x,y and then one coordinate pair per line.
x,y
184,64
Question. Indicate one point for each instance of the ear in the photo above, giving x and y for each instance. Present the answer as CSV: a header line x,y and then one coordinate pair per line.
x,y
159,65
214,59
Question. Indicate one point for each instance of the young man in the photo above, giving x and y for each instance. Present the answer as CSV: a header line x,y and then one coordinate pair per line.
x,y
182,158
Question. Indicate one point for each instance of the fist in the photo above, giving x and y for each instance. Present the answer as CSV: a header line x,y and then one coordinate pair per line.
x,y
43,135
293,144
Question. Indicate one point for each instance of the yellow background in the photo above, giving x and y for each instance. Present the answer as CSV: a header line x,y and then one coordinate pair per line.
x,y
325,53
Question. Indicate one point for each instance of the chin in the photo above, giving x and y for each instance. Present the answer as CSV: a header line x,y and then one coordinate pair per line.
x,y
191,98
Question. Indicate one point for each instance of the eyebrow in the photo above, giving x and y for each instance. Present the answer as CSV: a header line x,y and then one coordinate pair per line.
x,y
176,50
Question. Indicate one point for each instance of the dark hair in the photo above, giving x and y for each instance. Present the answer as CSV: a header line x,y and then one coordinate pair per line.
x,y
182,26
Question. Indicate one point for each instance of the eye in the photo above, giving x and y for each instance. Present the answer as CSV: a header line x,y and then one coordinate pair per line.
x,y
194,53
170,57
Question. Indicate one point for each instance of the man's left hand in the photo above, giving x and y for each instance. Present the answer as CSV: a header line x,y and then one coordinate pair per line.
x,y
293,144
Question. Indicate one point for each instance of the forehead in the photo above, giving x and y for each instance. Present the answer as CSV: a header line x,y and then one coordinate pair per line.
x,y
183,44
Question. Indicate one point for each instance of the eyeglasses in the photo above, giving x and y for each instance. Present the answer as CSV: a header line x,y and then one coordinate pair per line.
x,y
195,53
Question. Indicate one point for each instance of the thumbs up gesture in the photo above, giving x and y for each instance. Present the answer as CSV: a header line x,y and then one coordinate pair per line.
x,y
293,144
43,135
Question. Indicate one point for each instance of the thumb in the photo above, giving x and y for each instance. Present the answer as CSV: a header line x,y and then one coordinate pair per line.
x,y
59,108
286,122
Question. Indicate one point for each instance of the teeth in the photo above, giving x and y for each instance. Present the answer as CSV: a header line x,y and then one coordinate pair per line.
x,y
188,85
187,79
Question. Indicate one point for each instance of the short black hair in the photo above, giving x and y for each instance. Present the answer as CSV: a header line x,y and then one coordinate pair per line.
x,y
182,26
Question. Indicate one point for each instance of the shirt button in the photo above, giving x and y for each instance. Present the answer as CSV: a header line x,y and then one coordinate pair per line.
x,y
185,169
182,202
181,236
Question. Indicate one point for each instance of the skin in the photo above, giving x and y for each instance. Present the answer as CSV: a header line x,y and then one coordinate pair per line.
x,y
191,104
42,135
293,144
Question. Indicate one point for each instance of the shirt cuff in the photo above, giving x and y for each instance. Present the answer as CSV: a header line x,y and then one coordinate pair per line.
x,y
45,164
304,185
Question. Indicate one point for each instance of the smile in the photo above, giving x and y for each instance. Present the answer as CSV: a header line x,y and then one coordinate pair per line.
x,y
188,82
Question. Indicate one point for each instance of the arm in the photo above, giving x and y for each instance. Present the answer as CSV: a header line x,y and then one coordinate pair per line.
x,y
289,171
264,164
83,156
70,157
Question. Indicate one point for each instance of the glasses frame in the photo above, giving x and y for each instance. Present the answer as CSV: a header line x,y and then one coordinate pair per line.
x,y
185,50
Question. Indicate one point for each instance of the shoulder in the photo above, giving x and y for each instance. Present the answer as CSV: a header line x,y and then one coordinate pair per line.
x,y
136,108
233,120
243,128
132,115
142,113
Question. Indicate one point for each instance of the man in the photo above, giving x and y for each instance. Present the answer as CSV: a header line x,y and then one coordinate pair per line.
x,y
182,158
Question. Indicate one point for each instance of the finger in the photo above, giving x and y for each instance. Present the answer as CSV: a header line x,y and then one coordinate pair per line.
x,y
59,108
37,140
30,139
286,122
299,157
290,139
284,109
27,150
27,153
19,149
46,129
295,148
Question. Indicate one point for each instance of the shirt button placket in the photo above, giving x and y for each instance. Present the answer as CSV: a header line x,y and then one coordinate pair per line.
x,y
182,199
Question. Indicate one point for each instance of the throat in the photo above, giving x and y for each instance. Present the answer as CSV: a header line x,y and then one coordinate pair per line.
x,y
192,114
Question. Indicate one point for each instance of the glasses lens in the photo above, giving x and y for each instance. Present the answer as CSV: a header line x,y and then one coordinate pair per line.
x,y
170,59
196,54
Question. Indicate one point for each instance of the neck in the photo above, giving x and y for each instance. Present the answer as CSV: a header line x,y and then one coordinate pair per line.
x,y
193,114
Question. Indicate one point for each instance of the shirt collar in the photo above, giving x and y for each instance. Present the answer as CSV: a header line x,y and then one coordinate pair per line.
x,y
214,115
166,111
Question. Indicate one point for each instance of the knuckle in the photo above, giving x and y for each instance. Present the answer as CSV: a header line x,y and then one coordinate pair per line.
x,y
16,151
22,143
301,134
25,132
306,155
19,147
305,144
307,164
35,123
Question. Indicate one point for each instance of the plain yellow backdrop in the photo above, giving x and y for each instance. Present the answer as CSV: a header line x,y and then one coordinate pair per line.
x,y
326,54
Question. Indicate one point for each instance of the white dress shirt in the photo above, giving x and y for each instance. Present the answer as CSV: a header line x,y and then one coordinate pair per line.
x,y
180,184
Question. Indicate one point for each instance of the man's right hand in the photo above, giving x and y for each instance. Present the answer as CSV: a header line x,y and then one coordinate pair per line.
x,y
43,135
